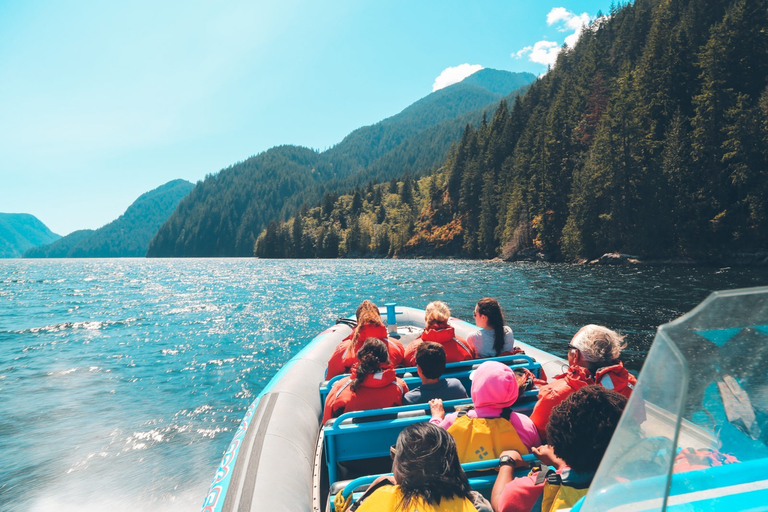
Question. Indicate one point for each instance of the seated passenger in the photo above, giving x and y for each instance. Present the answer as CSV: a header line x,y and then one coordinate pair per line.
x,y
371,385
430,364
437,329
494,338
485,431
369,325
427,477
579,432
593,356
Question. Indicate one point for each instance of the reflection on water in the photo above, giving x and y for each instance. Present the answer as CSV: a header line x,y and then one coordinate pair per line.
x,y
122,381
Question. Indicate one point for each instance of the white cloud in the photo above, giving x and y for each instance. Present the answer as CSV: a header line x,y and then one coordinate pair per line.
x,y
545,52
454,75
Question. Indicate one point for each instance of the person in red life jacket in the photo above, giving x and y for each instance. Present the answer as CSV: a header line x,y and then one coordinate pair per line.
x,y
369,325
371,385
426,477
593,356
579,431
494,338
491,427
437,330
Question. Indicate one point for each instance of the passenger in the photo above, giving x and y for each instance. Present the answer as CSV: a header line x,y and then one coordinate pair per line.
x,y
371,385
485,431
579,432
437,329
494,338
427,477
369,325
593,356
430,364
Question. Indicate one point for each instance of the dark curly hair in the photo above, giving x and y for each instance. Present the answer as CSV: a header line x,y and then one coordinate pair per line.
x,y
371,355
581,426
427,466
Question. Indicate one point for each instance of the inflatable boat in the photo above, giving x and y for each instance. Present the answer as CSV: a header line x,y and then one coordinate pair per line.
x,y
703,390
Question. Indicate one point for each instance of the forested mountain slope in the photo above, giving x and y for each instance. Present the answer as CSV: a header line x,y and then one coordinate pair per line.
x,y
21,231
128,235
650,137
225,213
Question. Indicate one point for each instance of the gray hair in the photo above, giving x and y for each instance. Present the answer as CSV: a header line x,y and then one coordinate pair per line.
x,y
598,344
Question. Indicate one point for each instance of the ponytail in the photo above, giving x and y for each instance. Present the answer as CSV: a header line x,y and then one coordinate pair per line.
x,y
371,355
490,308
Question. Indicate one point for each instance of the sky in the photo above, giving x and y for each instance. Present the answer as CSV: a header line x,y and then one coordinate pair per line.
x,y
103,101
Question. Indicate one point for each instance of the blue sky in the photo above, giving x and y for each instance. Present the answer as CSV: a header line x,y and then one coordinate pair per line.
x,y
103,101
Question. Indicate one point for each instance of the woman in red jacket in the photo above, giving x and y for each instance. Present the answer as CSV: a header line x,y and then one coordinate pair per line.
x,y
437,330
371,385
369,325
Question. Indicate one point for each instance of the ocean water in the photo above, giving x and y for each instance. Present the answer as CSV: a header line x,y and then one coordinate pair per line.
x,y
122,381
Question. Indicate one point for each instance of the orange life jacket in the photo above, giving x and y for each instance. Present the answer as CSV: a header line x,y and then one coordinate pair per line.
x,y
378,390
342,362
617,378
556,391
455,349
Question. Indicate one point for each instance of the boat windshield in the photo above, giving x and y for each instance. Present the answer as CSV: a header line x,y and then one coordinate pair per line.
x,y
701,401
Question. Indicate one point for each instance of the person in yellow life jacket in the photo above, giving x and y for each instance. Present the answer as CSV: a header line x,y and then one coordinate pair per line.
x,y
369,325
437,330
579,431
427,477
593,358
490,428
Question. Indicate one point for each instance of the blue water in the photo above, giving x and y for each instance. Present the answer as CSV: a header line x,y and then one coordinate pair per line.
x,y
122,381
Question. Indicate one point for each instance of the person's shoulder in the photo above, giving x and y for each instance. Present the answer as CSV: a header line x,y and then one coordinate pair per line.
x,y
474,335
412,397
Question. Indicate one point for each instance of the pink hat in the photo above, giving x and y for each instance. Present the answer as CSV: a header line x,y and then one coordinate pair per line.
x,y
494,386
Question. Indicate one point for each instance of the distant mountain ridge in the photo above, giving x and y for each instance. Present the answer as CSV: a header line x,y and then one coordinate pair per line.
x,y
128,235
225,213
22,231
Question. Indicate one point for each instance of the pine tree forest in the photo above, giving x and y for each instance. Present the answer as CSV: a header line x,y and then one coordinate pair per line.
x,y
649,138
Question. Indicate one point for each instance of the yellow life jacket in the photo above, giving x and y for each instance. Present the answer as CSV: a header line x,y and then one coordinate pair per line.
x,y
387,498
562,490
484,438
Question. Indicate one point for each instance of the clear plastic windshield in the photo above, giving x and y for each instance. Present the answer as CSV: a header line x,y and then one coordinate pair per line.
x,y
701,404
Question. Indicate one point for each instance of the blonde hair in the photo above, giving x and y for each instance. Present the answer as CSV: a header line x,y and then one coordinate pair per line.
x,y
367,314
598,344
437,312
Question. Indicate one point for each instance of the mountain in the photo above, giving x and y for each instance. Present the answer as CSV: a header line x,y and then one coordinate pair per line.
x,y
226,212
127,236
21,231
649,138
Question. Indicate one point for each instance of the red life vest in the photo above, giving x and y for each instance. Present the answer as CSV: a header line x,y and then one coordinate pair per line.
x,y
455,349
617,378
380,389
556,391
342,362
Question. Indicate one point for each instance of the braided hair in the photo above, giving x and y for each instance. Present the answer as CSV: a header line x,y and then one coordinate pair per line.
x,y
371,355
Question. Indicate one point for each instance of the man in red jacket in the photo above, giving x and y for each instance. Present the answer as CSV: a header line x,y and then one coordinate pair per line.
x,y
593,356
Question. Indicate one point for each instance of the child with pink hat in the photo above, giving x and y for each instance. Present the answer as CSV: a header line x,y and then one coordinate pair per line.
x,y
482,433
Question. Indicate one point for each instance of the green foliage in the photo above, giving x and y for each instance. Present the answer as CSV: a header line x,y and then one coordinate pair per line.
x,y
20,232
226,212
127,236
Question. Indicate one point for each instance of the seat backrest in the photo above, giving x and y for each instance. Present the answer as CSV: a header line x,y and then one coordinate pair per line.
x,y
361,435
459,370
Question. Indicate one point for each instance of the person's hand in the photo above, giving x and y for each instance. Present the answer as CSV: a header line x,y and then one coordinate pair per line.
x,y
515,456
436,408
546,454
